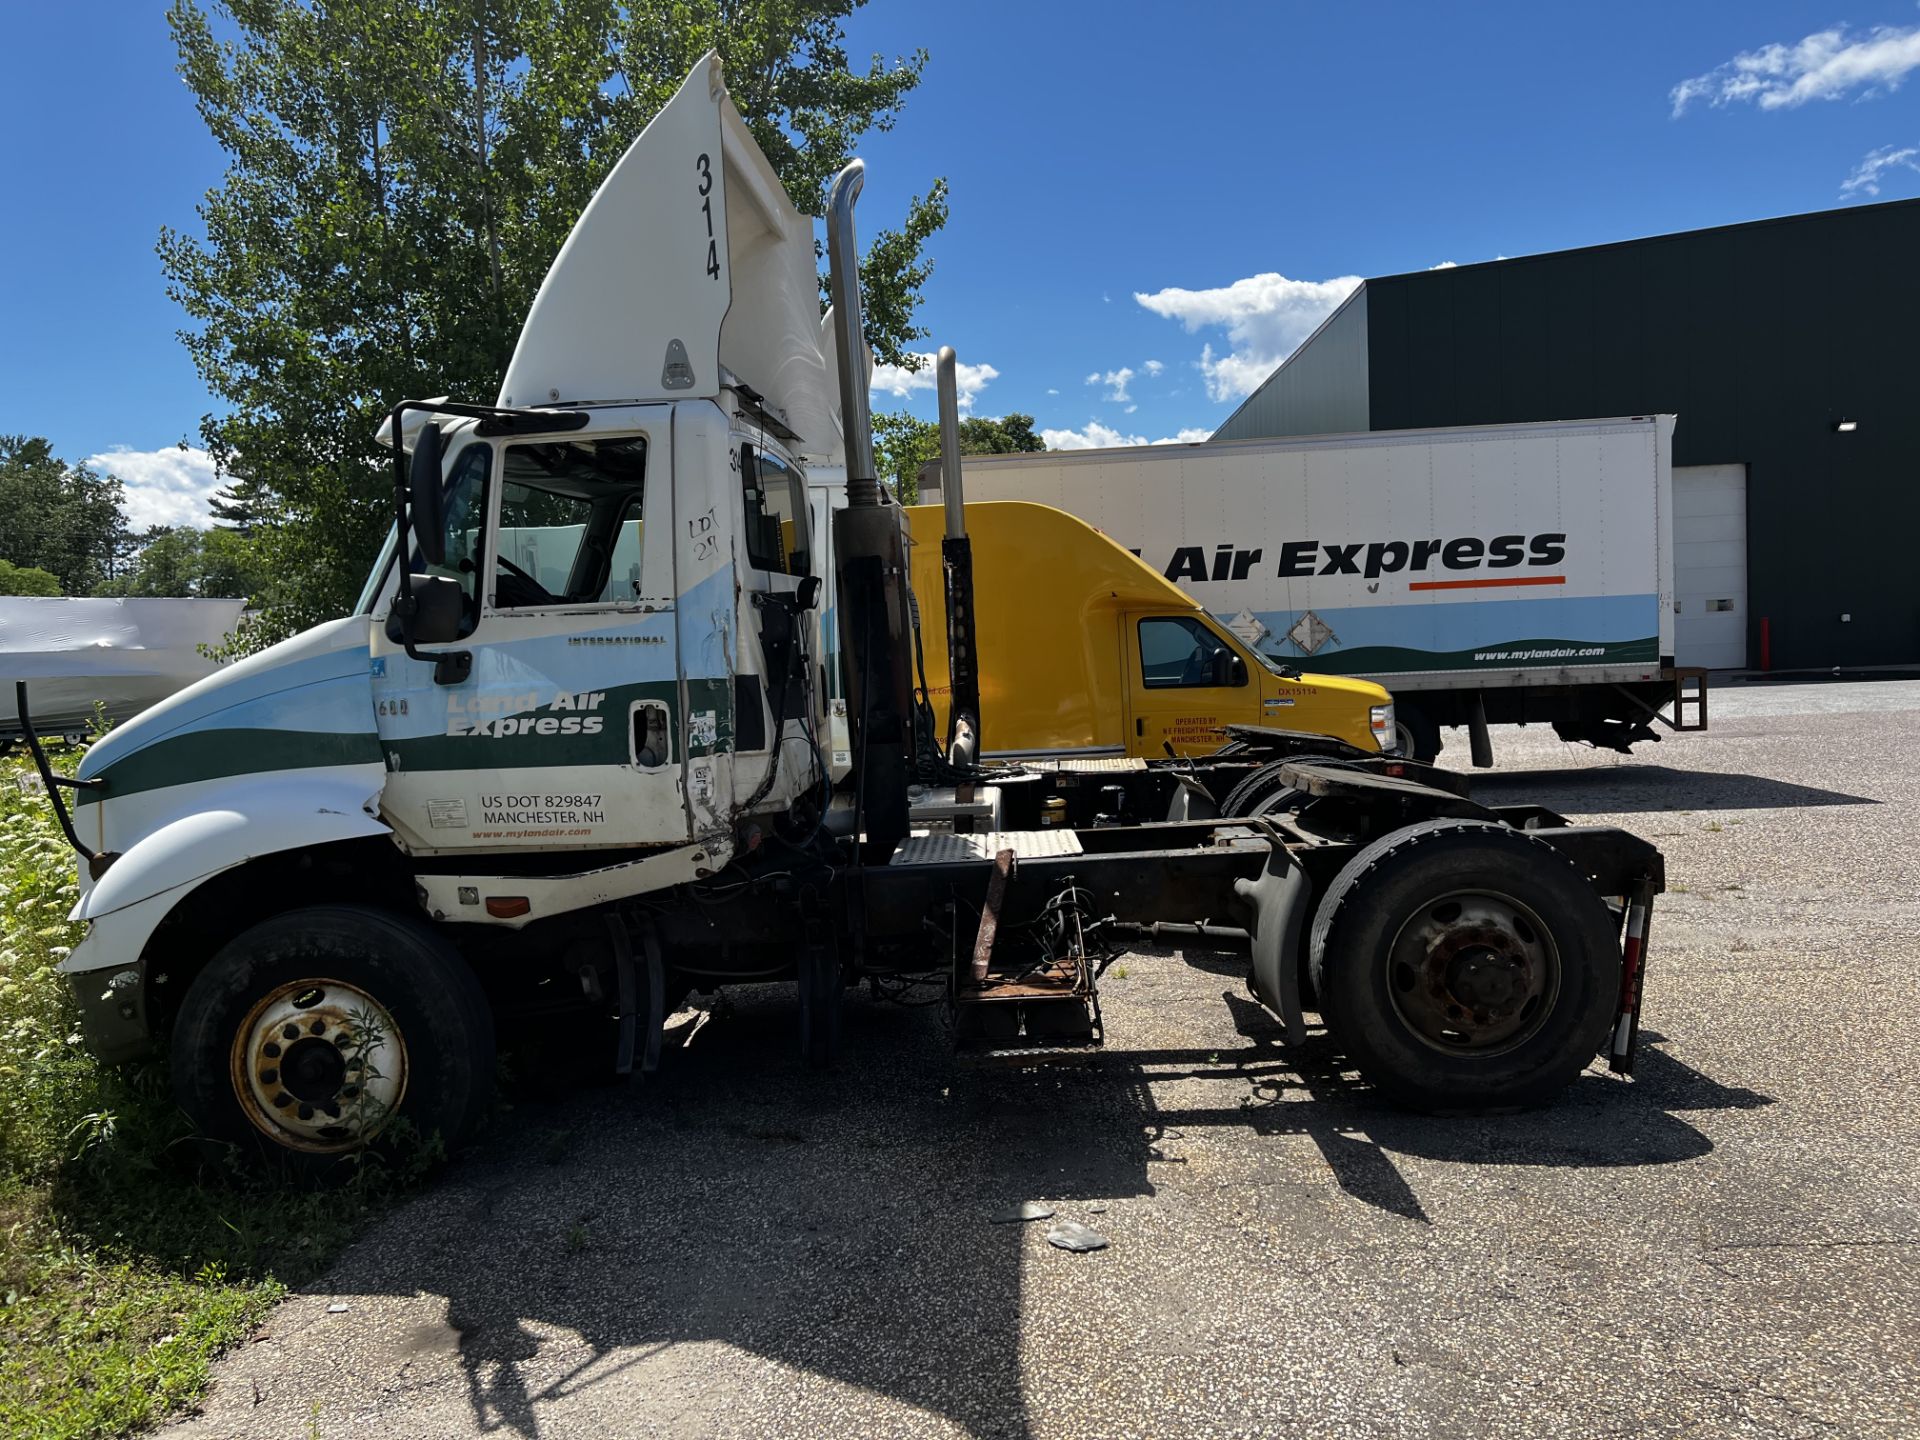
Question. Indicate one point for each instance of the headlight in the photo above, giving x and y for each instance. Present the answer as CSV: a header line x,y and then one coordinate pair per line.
x,y
1381,718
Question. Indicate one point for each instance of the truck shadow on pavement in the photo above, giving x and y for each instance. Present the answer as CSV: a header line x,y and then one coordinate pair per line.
x,y
1601,1120
1631,789
735,1212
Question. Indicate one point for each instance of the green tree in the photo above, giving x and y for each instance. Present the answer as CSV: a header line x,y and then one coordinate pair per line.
x,y
1011,434
903,444
181,561
27,580
61,518
401,174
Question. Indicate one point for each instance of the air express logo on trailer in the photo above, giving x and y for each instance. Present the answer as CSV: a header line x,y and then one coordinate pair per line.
x,y
1368,560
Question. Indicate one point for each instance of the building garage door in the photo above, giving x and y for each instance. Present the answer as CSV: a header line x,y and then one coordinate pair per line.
x,y
1710,565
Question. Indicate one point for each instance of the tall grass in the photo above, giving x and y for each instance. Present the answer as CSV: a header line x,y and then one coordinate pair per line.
x,y
127,1260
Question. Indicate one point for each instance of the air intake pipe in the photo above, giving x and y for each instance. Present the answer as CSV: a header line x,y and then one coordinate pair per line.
x,y
956,551
875,625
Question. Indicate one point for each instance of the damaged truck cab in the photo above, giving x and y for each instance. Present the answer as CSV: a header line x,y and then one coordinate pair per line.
x,y
574,756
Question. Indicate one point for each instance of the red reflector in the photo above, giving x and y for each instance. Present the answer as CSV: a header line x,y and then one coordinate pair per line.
x,y
508,907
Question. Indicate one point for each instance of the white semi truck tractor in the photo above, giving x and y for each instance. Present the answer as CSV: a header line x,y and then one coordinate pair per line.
x,y
327,877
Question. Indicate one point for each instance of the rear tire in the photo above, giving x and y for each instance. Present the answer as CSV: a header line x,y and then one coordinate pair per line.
x,y
1465,966
309,1036
1254,787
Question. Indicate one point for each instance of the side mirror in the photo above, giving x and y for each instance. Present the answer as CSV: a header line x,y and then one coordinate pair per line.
x,y
424,494
1228,668
808,595
436,608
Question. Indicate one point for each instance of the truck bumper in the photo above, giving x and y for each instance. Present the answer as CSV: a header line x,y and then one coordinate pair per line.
x,y
113,1012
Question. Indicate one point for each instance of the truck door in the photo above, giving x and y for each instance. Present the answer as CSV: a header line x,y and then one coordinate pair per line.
x,y
566,733
1184,684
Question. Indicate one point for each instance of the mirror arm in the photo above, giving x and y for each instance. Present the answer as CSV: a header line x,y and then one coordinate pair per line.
x,y
403,599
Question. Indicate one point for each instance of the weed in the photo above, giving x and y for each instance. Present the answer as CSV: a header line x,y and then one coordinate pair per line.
x,y
576,1238
557,1147
1120,972
128,1260
1714,827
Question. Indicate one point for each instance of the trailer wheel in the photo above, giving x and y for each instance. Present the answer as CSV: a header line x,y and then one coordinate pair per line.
x,y
309,1035
1416,737
1465,966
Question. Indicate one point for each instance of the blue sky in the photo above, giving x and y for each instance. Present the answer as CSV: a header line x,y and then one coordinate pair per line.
x,y
1151,204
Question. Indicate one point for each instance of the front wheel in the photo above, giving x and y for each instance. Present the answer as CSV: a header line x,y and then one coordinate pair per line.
x,y
315,1033
1465,966
1415,736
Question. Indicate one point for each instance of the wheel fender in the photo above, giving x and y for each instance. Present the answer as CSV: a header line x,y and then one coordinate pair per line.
x,y
233,821
1280,898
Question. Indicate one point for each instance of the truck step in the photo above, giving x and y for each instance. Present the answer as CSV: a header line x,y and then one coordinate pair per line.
x,y
944,847
1055,1007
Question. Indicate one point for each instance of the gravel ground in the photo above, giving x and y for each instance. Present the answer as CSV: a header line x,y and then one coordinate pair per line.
x,y
1725,1245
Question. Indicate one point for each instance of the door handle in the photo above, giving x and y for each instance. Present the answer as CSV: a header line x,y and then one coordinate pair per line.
x,y
1140,725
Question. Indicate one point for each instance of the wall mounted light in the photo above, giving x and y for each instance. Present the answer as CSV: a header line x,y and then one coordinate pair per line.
x,y
1845,427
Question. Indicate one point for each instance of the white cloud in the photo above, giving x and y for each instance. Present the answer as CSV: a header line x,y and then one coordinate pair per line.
x,y
968,380
1865,179
1826,65
1130,409
1265,317
1052,391
1152,367
164,487
1116,382
1104,437
1450,265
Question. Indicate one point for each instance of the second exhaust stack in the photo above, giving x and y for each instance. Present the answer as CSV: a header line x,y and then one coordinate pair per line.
x,y
956,550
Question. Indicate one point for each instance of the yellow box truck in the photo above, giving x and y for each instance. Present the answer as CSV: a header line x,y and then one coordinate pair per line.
x,y
1087,650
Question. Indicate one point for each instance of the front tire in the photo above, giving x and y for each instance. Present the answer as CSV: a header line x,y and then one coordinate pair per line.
x,y
1465,966
310,1036
1416,737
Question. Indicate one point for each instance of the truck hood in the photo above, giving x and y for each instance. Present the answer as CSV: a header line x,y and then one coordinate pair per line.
x,y
1362,692
307,701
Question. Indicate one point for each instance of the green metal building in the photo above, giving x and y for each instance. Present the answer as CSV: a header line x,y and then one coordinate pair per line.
x,y
1790,351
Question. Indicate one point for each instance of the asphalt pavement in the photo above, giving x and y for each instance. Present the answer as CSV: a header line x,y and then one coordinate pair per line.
x,y
1728,1244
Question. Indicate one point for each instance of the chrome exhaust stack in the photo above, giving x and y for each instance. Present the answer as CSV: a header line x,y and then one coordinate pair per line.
x,y
849,335
876,626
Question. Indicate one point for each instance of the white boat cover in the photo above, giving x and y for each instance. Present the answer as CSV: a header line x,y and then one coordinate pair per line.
x,y
126,654
689,257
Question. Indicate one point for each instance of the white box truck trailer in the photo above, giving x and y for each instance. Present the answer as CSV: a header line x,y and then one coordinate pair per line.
x,y
1498,574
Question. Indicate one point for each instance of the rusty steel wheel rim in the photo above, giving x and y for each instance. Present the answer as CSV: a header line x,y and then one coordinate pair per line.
x,y
319,1065
1474,973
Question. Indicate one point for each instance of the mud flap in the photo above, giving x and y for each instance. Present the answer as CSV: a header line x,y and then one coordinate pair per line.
x,y
1192,801
1281,900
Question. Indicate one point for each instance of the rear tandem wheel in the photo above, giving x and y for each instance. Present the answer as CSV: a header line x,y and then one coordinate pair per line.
x,y
1465,966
